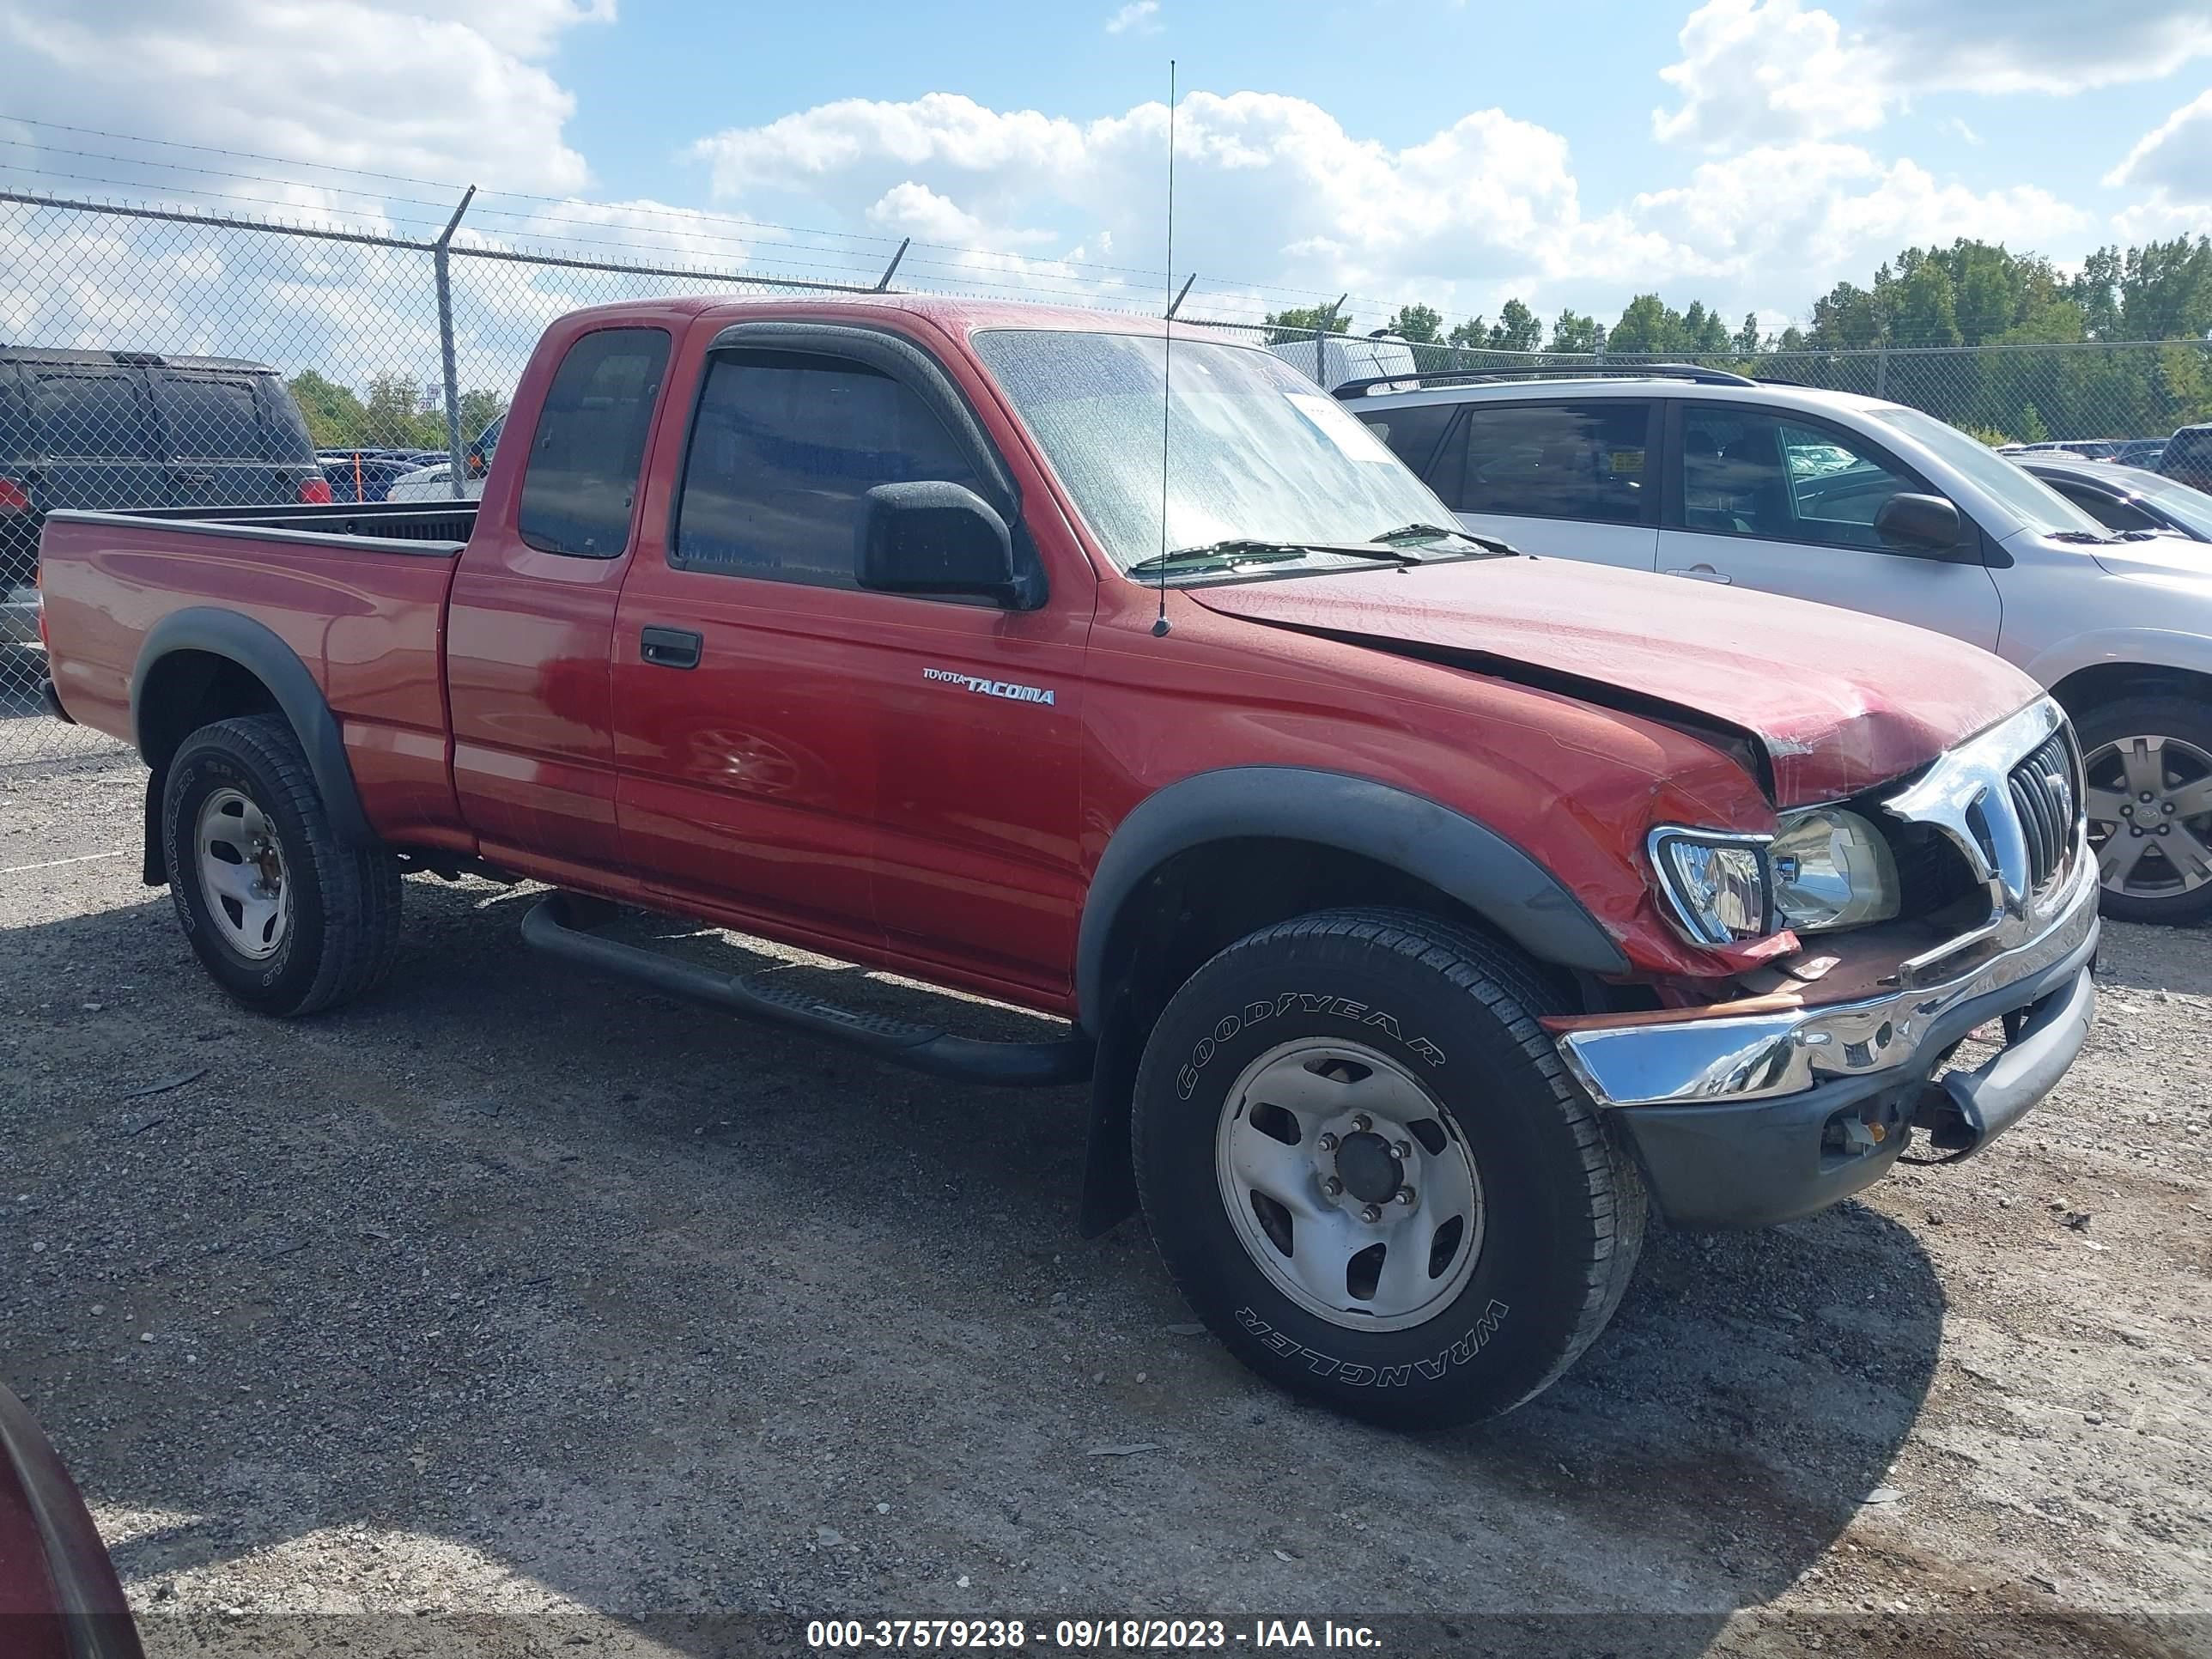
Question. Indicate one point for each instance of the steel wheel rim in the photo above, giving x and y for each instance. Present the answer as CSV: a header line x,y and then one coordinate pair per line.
x,y
2150,816
1317,1246
241,872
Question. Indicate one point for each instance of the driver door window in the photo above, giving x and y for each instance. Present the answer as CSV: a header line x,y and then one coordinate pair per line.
x,y
1755,474
1761,498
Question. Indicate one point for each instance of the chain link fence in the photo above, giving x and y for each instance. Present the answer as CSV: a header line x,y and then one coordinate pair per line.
x,y
150,357
2010,396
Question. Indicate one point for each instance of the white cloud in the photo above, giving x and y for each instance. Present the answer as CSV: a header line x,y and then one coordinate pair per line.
x,y
1763,69
443,88
1274,189
1780,70
1268,187
907,208
2032,46
1823,211
1141,15
1960,130
2174,157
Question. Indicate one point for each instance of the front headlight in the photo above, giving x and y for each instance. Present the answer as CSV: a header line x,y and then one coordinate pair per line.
x,y
1716,883
1831,869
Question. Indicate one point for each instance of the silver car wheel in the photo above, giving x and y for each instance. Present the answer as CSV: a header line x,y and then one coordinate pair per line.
x,y
2150,816
241,874
1351,1189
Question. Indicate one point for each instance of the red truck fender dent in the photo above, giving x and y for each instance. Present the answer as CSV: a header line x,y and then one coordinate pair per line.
x,y
1450,852
1388,827
201,665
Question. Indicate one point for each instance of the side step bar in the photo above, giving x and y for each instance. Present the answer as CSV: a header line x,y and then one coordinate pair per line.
x,y
554,925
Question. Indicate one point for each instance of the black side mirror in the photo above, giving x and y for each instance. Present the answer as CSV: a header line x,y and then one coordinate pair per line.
x,y
1925,525
937,539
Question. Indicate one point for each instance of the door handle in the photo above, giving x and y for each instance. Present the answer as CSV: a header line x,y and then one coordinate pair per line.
x,y
1701,572
201,478
669,648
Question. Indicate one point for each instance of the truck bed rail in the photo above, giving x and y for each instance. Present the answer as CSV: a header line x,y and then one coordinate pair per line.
x,y
438,529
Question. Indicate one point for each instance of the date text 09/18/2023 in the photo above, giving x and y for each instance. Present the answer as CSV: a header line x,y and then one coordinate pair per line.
x,y
1090,1635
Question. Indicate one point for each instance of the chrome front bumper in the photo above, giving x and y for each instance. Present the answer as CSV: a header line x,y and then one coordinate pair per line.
x,y
1711,1058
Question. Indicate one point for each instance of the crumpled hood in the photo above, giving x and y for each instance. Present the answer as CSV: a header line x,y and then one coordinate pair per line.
x,y
1838,700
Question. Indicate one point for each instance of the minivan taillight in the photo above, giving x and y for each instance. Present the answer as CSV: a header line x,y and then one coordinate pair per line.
x,y
14,498
315,492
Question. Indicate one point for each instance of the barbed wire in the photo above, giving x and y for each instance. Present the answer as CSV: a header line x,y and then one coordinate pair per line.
x,y
686,217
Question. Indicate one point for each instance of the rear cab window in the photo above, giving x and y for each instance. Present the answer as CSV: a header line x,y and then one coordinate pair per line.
x,y
1585,459
579,485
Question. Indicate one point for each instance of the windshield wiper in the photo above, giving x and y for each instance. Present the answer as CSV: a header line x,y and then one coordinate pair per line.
x,y
1429,533
1421,532
1242,550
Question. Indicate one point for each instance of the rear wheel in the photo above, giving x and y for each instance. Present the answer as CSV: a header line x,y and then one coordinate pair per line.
x,y
1371,1177
2148,764
282,915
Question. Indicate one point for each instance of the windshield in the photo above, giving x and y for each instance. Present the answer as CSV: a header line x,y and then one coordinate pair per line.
x,y
1257,452
2177,500
2031,501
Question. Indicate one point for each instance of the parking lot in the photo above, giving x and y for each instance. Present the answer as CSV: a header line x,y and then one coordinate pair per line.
x,y
530,1310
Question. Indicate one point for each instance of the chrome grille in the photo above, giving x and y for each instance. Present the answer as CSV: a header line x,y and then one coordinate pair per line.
x,y
2047,799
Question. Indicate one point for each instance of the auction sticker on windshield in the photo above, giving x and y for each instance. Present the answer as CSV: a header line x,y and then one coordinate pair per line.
x,y
1329,419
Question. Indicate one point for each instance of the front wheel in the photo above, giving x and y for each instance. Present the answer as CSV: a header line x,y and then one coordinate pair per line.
x,y
282,914
2148,760
1370,1174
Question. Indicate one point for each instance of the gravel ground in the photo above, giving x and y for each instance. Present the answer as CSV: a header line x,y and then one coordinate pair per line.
x,y
509,1312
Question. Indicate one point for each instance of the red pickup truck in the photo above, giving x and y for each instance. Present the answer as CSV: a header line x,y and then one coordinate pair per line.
x,y
1416,908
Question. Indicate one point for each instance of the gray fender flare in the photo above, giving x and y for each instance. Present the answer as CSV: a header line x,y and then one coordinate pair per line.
x,y
262,654
1445,848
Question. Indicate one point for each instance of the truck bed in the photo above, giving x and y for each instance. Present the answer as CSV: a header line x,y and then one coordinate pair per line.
x,y
356,592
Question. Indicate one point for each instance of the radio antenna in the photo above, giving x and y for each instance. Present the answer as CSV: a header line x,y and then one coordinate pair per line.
x,y
1167,365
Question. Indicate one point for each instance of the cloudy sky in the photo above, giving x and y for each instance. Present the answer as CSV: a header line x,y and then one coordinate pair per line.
x,y
1745,152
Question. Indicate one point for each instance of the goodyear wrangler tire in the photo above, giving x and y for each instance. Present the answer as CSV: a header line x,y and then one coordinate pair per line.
x,y
284,916
1371,1177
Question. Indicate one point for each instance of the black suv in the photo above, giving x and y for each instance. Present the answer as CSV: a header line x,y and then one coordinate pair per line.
x,y
2187,457
135,430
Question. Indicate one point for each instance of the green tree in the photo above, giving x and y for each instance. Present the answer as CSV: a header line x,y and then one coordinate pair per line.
x,y
1301,322
393,414
1518,329
1647,324
1422,324
1703,333
1849,317
1793,339
2166,291
1571,332
1747,337
479,409
1989,293
334,415
1469,334
2096,290
1924,312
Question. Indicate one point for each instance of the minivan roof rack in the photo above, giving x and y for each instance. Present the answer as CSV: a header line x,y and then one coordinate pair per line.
x,y
1638,372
